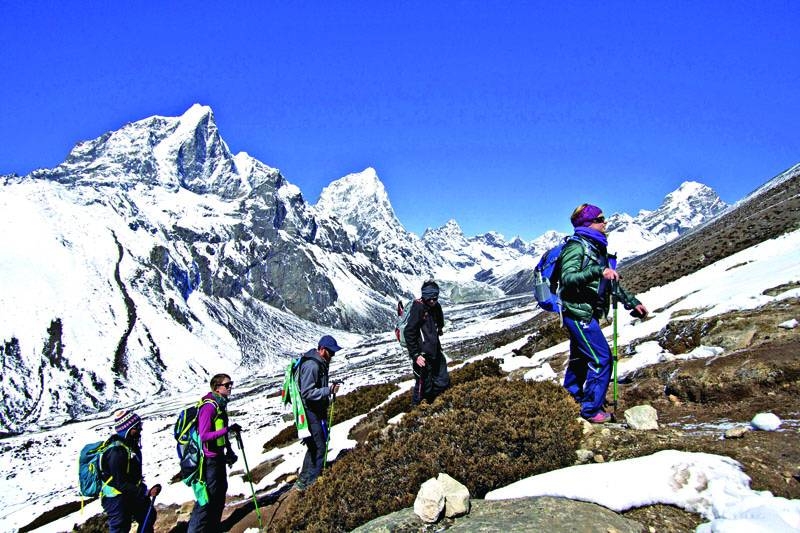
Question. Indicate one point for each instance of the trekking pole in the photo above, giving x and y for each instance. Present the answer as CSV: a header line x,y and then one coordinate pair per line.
x,y
330,424
143,526
249,477
615,357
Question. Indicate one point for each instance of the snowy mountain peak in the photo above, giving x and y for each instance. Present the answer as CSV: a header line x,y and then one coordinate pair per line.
x,y
360,202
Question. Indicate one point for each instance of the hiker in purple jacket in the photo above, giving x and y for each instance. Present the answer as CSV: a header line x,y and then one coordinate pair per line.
x,y
214,431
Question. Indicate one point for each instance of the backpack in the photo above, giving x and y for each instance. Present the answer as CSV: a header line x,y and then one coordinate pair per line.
x,y
187,437
547,275
90,480
403,312
291,394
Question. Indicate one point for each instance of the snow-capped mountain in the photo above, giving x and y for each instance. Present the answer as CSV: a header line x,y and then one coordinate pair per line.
x,y
154,257
683,209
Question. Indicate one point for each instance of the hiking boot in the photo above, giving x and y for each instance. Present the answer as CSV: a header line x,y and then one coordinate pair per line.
x,y
299,486
600,418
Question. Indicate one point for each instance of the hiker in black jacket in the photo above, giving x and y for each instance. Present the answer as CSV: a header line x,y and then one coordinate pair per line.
x,y
425,323
125,497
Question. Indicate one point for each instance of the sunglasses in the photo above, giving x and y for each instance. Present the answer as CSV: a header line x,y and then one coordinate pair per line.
x,y
599,220
227,385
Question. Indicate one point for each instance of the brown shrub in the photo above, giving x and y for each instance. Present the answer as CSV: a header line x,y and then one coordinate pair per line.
x,y
485,433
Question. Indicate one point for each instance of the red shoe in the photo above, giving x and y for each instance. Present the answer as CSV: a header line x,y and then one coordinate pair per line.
x,y
600,418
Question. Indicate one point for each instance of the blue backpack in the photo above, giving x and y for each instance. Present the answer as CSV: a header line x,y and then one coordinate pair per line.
x,y
547,275
90,480
188,445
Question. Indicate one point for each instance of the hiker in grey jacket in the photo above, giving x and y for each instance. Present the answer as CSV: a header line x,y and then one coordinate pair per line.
x,y
425,323
314,390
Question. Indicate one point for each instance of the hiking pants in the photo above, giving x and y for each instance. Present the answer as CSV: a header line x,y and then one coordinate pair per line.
x,y
207,518
122,509
589,370
430,380
316,444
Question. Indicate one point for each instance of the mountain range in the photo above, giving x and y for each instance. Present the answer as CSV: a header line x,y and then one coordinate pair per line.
x,y
153,257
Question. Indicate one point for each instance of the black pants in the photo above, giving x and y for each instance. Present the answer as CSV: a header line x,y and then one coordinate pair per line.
x,y
430,380
316,443
207,518
122,509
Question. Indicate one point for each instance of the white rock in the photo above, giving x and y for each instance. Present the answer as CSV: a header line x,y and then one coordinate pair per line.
x,y
430,501
766,422
456,496
642,417
789,324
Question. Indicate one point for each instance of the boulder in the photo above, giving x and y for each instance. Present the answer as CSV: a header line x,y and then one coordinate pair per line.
x,y
430,501
766,422
641,417
456,496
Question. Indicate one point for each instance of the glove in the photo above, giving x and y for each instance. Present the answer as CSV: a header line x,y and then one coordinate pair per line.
x,y
231,458
154,491
639,311
234,428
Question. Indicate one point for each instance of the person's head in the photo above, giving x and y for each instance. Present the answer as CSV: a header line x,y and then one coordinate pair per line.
x,y
588,216
327,346
430,292
128,425
221,384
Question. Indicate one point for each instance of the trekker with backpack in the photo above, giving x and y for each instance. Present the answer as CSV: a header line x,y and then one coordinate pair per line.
x,y
587,281
214,432
425,323
125,496
312,380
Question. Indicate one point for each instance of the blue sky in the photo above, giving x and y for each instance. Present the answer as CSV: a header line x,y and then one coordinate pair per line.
x,y
502,115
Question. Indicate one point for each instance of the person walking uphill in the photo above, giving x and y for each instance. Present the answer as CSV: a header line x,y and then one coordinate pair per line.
x,y
315,392
214,431
588,280
125,497
425,323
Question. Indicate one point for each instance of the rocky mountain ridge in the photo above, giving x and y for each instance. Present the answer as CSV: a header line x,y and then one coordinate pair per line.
x,y
159,254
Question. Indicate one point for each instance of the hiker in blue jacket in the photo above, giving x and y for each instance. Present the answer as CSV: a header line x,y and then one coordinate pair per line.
x,y
587,282
425,323
314,390
126,497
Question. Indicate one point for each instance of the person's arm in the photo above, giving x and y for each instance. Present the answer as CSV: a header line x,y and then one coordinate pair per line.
x,y
115,465
205,423
307,380
629,301
572,275
412,330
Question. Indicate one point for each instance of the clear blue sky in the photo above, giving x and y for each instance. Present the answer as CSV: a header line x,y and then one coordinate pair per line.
x,y
502,115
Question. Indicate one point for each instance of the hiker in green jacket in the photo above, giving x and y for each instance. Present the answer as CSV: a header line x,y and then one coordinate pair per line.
x,y
588,280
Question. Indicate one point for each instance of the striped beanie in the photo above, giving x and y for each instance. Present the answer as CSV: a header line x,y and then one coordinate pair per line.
x,y
124,421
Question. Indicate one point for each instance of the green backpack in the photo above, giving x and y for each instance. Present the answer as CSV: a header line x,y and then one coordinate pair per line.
x,y
291,394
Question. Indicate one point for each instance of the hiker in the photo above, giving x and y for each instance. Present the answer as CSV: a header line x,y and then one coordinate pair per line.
x,y
425,323
315,393
125,497
587,282
214,431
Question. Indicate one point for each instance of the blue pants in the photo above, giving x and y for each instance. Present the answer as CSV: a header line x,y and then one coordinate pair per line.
x,y
589,370
122,509
316,444
207,518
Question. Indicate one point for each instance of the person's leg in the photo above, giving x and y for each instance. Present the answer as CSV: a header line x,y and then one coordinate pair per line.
x,y
441,377
217,485
316,447
421,383
594,348
575,375
145,514
119,518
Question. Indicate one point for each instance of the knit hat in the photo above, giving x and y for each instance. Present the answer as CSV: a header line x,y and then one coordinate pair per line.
x,y
124,421
585,216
